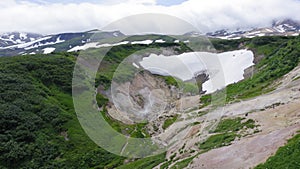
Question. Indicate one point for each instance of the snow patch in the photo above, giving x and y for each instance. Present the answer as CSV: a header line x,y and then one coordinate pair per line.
x,y
289,26
39,44
11,37
23,36
135,65
48,50
280,29
160,41
24,45
116,34
58,40
145,42
230,70
115,44
84,47
96,45
261,34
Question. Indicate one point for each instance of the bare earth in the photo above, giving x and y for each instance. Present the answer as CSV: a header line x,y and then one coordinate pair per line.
x,y
277,125
250,151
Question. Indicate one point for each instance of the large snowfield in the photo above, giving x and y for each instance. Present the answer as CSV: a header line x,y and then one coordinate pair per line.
x,y
223,68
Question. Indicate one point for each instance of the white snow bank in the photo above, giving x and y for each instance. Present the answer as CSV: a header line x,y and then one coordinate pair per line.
x,y
144,42
223,68
48,50
24,45
160,41
96,45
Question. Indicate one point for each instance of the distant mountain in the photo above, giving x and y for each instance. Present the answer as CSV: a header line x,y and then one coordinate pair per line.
x,y
286,27
17,43
72,42
24,43
14,38
193,34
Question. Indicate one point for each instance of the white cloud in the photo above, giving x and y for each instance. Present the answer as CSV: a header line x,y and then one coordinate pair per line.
x,y
205,15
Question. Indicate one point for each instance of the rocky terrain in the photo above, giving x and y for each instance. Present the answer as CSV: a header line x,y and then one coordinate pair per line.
x,y
278,117
276,114
145,97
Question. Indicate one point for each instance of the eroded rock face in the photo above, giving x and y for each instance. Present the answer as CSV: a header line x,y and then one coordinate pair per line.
x,y
144,98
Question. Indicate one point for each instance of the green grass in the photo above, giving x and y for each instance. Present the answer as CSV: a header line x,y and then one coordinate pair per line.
x,y
206,100
169,121
196,123
287,156
184,163
216,141
101,100
134,130
170,80
187,87
226,132
190,88
145,163
234,125
36,109
296,78
280,60
281,55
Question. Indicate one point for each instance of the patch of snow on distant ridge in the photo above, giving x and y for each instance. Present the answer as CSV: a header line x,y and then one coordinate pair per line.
x,y
145,42
23,36
24,45
96,45
160,41
48,50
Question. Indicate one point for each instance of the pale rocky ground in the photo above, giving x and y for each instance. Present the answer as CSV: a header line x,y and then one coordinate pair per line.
x,y
277,114
277,123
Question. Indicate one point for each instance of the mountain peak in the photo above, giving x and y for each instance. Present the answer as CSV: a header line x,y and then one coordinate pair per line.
x,y
287,27
287,22
14,38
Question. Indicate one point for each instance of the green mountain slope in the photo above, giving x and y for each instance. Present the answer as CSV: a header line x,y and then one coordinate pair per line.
x,y
39,128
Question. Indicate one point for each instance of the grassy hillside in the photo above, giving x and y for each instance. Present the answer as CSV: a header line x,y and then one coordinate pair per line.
x,y
39,128
275,57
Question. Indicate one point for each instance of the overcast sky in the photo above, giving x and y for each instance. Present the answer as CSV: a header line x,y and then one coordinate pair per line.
x,y
56,16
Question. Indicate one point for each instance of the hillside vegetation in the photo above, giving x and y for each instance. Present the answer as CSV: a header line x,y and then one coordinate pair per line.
x,y
275,57
39,128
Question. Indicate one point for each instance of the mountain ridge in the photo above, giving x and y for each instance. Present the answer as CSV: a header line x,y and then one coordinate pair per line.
x,y
287,27
21,43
